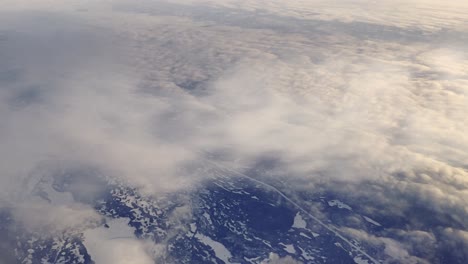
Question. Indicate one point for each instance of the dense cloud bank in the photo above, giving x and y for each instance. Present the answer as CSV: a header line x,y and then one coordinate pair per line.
x,y
142,92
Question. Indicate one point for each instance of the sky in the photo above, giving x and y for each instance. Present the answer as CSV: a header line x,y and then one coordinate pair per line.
x,y
342,93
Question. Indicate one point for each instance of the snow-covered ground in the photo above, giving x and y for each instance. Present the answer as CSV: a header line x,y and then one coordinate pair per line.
x,y
220,250
299,222
339,204
372,221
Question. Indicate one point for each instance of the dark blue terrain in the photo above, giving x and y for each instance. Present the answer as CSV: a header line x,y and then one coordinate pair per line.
x,y
229,212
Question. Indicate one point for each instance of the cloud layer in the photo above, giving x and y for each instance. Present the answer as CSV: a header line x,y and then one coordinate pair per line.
x,y
143,96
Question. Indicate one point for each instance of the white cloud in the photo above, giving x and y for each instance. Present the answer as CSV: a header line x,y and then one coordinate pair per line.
x,y
142,96
46,219
395,250
116,244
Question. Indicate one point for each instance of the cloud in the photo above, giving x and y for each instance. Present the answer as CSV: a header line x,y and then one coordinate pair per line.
x,y
421,14
145,98
44,218
455,242
116,244
395,250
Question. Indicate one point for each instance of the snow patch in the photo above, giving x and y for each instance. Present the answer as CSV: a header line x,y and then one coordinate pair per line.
x,y
359,260
288,248
207,217
220,250
339,204
193,227
305,255
299,222
372,221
